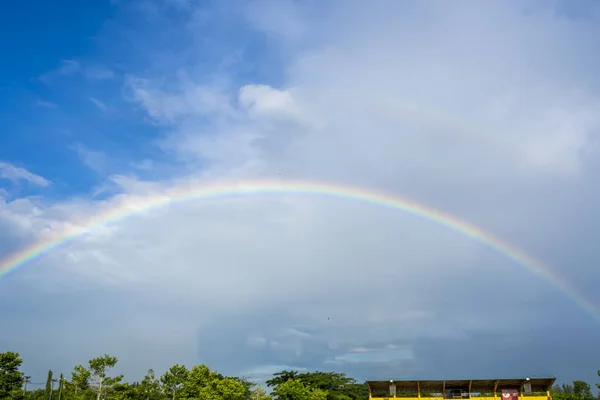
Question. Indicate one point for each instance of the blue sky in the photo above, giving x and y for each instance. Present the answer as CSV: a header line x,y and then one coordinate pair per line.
x,y
491,114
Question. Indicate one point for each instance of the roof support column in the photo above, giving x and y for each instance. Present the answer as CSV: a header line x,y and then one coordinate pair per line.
x,y
522,392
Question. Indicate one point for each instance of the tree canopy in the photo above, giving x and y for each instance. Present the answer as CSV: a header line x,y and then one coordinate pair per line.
x,y
11,378
97,382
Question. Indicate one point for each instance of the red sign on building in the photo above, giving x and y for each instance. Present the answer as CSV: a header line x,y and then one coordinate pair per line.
x,y
510,394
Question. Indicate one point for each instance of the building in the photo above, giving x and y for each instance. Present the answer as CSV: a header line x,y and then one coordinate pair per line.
x,y
480,389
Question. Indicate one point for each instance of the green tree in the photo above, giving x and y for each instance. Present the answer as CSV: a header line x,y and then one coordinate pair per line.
x,y
38,394
124,391
294,389
80,381
330,381
259,393
202,383
61,386
568,389
100,382
357,391
579,390
246,383
49,384
198,378
11,378
582,390
556,389
282,377
173,380
149,387
318,394
229,389
337,385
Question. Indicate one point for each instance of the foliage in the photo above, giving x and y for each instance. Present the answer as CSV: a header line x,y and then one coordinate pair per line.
x,y
247,385
61,385
259,393
202,383
149,387
579,390
11,378
49,383
100,382
295,389
337,385
173,380
282,377
80,379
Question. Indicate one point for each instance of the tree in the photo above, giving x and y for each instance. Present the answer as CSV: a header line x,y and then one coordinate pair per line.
x,y
49,384
330,381
582,390
229,389
198,378
80,380
124,391
61,385
579,390
282,377
149,387
567,389
337,385
246,383
173,379
357,391
202,383
259,394
556,389
11,378
294,389
101,383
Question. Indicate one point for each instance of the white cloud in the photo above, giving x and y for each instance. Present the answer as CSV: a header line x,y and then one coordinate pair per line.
x,y
45,104
98,72
66,68
98,103
280,18
95,160
266,101
15,174
69,67
191,100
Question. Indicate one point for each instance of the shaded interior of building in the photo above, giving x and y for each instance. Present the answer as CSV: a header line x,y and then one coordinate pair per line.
x,y
482,389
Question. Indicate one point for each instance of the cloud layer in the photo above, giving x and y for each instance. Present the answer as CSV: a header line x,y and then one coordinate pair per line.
x,y
490,113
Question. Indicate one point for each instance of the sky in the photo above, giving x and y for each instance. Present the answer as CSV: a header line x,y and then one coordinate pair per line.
x,y
488,112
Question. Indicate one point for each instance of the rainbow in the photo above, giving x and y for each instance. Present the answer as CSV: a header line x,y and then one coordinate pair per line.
x,y
131,205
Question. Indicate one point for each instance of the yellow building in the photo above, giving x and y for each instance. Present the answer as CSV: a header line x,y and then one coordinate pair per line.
x,y
479,389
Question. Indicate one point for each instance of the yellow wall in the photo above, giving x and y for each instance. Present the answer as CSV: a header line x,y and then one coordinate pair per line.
x,y
472,398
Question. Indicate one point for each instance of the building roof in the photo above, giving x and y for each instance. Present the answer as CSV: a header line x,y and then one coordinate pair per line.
x,y
476,385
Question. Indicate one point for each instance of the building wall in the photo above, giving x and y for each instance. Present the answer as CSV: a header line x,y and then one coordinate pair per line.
x,y
498,397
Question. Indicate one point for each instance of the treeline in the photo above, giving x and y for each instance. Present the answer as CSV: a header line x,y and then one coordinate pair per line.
x,y
579,390
96,382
